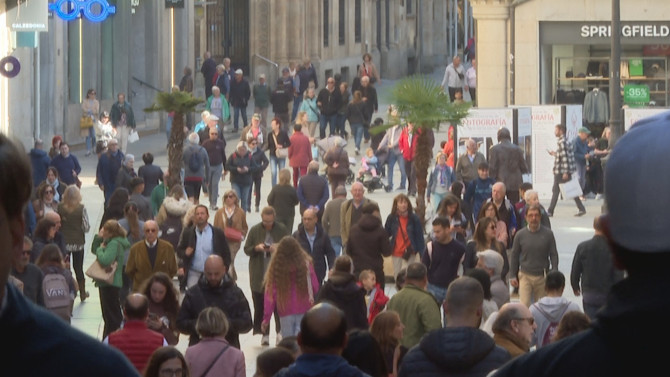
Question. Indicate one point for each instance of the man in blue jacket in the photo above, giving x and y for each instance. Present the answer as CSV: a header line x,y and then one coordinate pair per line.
x,y
322,337
108,167
39,162
67,165
48,345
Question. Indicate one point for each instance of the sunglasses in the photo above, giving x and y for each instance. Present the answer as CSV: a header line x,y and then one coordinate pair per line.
x,y
530,320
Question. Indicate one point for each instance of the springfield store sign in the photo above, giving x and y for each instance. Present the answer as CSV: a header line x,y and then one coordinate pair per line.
x,y
599,32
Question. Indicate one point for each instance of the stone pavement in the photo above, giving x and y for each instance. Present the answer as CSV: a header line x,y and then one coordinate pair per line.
x,y
87,317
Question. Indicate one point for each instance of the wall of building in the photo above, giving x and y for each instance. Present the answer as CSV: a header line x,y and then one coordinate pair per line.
x,y
134,42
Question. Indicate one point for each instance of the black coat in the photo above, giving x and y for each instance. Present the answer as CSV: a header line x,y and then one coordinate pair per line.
x,y
227,297
454,351
188,239
342,291
240,92
322,251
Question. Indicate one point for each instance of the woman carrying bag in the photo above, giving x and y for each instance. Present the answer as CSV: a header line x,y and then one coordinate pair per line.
x,y
111,250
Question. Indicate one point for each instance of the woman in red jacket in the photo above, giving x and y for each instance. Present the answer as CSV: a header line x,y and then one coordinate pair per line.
x,y
407,145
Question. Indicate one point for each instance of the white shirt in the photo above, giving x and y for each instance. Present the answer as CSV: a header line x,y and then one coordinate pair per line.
x,y
471,77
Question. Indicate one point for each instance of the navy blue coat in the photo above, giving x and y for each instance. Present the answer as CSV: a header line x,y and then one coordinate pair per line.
x,y
414,231
39,160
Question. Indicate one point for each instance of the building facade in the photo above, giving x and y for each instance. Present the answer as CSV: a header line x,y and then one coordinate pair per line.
x,y
558,51
144,45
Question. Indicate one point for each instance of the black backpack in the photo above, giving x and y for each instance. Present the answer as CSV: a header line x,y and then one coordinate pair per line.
x,y
194,163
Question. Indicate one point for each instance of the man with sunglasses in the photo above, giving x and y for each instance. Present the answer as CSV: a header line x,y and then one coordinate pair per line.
x,y
149,256
514,328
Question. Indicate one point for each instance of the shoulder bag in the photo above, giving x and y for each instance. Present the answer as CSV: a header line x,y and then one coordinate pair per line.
x,y
409,250
279,152
104,274
215,359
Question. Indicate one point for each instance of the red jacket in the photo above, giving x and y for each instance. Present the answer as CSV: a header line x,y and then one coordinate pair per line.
x,y
378,302
408,151
300,150
137,342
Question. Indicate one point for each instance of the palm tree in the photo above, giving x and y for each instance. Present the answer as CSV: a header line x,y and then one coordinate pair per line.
x,y
421,101
180,103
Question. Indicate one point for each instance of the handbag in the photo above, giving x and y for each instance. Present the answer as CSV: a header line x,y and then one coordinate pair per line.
x,y
85,122
571,189
102,274
232,234
409,250
281,152
133,136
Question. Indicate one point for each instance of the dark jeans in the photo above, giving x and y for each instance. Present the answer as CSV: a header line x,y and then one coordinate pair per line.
x,y
327,120
452,93
258,299
297,101
239,110
410,170
341,119
257,190
111,309
556,190
78,265
473,95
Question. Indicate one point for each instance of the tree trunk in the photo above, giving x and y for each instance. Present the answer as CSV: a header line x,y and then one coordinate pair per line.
x,y
176,149
422,158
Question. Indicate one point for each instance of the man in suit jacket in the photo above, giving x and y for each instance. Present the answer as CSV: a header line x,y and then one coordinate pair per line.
x,y
507,164
149,256
199,242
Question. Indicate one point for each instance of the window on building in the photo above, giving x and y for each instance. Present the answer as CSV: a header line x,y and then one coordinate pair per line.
x,y
357,21
326,22
341,24
408,7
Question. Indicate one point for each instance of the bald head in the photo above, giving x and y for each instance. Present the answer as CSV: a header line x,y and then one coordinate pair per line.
x,y
313,167
463,303
55,217
150,231
323,329
515,320
498,192
215,270
471,146
136,307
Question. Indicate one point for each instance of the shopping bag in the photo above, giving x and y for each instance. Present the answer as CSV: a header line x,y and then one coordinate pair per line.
x,y
133,136
104,274
571,189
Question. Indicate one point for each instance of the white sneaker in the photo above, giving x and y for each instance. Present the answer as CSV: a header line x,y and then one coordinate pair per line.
x,y
279,338
265,341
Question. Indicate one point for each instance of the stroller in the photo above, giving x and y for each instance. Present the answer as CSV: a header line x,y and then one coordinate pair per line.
x,y
370,182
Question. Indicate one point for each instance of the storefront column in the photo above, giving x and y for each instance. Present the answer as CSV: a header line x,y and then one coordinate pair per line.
x,y
492,48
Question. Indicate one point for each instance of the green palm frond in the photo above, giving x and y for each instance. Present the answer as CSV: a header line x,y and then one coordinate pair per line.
x,y
179,102
421,101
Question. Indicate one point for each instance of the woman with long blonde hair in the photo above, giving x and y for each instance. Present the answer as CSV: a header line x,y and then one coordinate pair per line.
x,y
290,286
74,225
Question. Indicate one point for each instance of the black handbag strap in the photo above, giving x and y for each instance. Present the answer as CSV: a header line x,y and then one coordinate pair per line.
x,y
215,360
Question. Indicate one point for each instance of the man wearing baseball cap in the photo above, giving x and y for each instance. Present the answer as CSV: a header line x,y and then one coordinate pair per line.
x,y
582,150
240,92
624,338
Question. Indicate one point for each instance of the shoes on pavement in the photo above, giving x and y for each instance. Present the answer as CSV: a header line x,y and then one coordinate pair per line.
x,y
357,152
388,188
279,338
550,214
401,188
367,141
215,208
265,341
580,213
599,196
256,209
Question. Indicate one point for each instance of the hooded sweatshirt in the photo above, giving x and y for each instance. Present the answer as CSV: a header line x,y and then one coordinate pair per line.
x,y
454,351
546,311
341,290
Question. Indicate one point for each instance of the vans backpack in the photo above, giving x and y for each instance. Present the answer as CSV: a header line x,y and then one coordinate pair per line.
x,y
194,163
56,294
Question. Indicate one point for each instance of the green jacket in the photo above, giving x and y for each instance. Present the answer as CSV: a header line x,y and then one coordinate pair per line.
x,y
258,262
419,312
114,250
157,196
261,96
225,110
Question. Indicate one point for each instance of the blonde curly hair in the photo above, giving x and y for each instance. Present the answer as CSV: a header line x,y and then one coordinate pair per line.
x,y
289,262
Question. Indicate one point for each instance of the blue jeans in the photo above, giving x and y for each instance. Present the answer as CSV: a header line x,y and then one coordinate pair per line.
x,y
341,119
243,192
297,101
436,199
90,139
239,110
215,173
357,131
276,164
325,120
393,158
336,242
290,325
